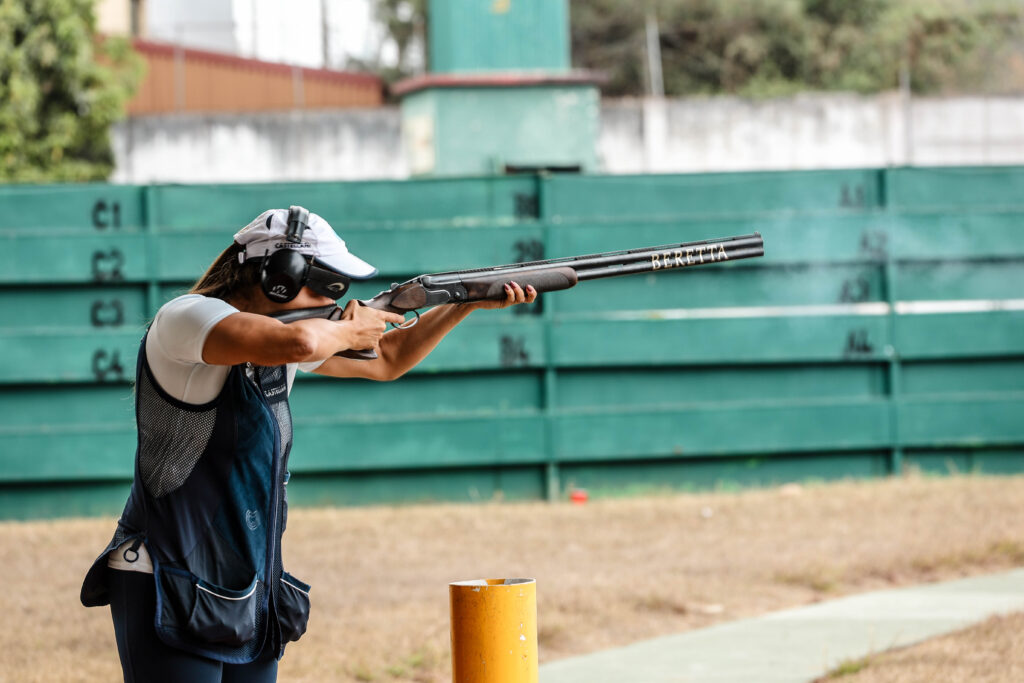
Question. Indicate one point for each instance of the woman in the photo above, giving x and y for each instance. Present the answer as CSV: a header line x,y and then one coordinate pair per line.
x,y
193,574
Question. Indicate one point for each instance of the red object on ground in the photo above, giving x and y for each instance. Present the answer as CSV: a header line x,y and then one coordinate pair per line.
x,y
578,496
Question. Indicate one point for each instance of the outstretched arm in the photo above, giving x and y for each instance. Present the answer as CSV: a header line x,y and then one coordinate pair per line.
x,y
402,350
261,340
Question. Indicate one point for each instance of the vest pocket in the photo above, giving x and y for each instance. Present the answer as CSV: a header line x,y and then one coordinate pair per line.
x,y
293,607
224,616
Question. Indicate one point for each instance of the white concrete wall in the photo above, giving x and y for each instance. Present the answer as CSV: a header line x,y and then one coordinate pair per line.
x,y
347,144
808,132
637,136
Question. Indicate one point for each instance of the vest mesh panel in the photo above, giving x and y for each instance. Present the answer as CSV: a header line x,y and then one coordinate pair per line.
x,y
172,439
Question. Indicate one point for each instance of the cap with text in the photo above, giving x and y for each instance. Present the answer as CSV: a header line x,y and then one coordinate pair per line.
x,y
266,234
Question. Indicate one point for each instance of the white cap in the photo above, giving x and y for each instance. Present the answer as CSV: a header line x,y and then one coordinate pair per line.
x,y
266,234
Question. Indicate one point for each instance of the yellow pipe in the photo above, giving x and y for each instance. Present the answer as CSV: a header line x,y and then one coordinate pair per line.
x,y
494,631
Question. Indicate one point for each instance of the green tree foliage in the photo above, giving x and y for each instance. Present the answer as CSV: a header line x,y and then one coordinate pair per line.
x,y
775,47
61,88
405,22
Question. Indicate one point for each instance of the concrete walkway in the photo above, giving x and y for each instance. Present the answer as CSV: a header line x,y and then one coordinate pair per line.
x,y
798,645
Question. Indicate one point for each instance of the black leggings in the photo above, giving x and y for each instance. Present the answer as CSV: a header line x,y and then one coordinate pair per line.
x,y
147,659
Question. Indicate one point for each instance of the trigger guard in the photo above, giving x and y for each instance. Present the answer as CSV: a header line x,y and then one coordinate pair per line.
x,y
411,322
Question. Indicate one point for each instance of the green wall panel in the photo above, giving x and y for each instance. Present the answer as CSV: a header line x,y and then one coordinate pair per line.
x,y
71,258
721,473
971,376
88,499
967,460
83,354
45,309
714,194
884,327
722,430
952,280
78,208
653,340
73,454
686,387
955,236
376,442
998,333
227,208
961,188
471,485
969,421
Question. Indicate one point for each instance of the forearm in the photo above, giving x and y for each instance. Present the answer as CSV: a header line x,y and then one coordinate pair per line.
x,y
401,350
257,339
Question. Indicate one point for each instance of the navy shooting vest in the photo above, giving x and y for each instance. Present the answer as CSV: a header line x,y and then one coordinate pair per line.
x,y
208,501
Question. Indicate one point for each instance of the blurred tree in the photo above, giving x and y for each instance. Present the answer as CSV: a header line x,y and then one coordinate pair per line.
x,y
774,47
405,25
61,88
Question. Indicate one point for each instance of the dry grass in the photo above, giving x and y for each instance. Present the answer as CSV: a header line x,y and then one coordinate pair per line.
x,y
991,652
609,573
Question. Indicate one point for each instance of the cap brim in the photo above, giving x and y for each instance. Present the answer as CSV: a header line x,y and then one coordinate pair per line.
x,y
347,264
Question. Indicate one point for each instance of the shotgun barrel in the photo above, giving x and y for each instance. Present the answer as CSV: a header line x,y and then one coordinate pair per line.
x,y
549,275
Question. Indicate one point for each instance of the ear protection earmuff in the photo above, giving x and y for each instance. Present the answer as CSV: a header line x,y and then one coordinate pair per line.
x,y
283,274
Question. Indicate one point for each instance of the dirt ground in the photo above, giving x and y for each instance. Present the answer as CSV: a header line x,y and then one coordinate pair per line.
x,y
991,652
609,572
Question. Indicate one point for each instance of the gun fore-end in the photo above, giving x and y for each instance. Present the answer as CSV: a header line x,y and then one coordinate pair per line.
x,y
492,285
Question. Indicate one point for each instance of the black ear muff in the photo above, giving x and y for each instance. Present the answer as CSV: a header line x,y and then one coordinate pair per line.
x,y
283,275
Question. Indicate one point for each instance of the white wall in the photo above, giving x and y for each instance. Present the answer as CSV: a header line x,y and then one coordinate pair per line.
x,y
637,136
290,32
189,148
808,132
205,24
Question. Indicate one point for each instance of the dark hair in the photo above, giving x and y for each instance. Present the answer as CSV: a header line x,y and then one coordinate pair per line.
x,y
226,277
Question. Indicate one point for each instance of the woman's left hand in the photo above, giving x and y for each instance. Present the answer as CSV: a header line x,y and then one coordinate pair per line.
x,y
514,294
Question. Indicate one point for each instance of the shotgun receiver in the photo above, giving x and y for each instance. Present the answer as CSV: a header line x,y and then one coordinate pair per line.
x,y
480,284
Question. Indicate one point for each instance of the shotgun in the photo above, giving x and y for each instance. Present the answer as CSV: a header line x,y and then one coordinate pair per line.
x,y
551,275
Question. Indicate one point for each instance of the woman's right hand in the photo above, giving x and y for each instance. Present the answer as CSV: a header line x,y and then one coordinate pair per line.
x,y
368,325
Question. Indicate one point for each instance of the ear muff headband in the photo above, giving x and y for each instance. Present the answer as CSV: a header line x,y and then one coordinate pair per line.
x,y
283,274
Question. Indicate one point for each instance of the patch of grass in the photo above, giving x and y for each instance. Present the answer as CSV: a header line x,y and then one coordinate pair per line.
x,y
1005,551
821,579
362,673
1010,550
847,667
661,603
423,659
551,634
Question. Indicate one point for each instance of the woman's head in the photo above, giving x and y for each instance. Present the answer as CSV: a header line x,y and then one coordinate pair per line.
x,y
244,269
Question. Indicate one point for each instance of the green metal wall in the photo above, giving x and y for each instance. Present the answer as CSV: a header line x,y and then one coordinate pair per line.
x,y
883,328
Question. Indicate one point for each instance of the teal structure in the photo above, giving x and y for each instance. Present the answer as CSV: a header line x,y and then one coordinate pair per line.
x,y
883,329
498,36
477,128
500,95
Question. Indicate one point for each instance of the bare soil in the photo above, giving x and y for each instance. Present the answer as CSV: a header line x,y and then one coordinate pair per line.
x,y
609,572
991,652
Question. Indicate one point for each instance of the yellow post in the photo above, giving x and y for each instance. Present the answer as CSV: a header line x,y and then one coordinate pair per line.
x,y
494,631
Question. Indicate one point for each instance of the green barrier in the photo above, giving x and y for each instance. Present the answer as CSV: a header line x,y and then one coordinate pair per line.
x,y
884,327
